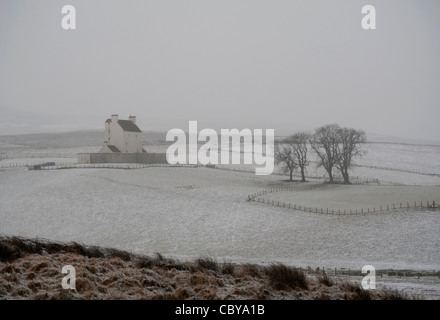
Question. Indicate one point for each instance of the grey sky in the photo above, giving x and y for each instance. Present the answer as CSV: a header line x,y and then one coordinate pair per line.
x,y
288,65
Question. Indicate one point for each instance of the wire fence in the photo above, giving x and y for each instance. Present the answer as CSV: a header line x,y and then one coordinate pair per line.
x,y
386,278
254,196
252,170
37,155
259,197
29,164
353,179
336,178
400,170
108,166
416,205
379,272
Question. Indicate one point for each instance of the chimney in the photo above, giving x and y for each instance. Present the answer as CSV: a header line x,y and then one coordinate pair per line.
x,y
114,118
132,119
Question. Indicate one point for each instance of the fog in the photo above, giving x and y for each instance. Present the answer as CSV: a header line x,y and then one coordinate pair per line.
x,y
286,65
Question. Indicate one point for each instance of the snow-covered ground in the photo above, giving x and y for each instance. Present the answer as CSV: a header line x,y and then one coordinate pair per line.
x,y
412,158
190,212
202,211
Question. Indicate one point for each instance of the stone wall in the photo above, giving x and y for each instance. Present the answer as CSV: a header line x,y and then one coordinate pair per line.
x,y
145,158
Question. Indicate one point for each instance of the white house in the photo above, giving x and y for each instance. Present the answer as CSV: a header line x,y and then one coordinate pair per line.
x,y
122,136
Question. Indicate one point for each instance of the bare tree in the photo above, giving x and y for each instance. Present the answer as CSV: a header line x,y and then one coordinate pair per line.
x,y
283,154
300,144
292,153
349,147
325,143
337,147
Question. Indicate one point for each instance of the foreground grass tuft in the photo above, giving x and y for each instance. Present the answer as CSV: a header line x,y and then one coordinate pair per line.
x,y
356,292
207,263
228,268
283,277
388,294
325,280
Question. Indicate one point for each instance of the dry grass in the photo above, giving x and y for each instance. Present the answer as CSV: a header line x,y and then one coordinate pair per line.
x,y
228,268
249,271
355,292
393,295
31,269
325,280
283,277
207,263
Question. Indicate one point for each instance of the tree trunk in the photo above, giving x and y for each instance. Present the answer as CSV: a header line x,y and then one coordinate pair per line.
x,y
291,175
330,176
303,177
346,177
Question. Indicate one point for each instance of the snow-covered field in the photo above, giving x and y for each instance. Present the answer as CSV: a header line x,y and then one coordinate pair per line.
x,y
190,212
412,158
202,211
